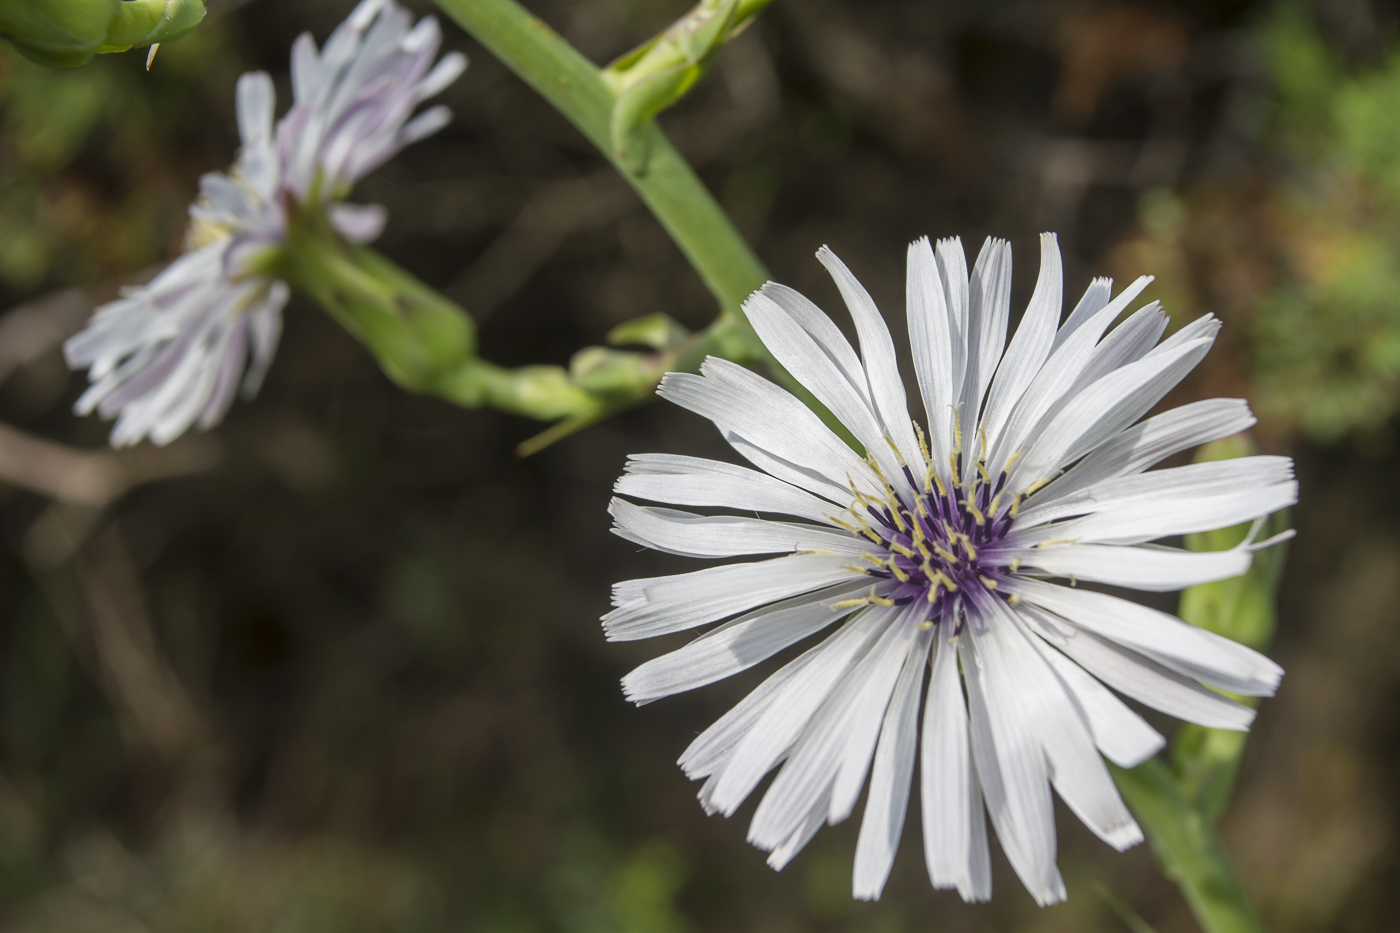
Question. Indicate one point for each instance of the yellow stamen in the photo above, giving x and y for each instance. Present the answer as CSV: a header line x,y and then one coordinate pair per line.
x,y
987,582
901,550
1015,564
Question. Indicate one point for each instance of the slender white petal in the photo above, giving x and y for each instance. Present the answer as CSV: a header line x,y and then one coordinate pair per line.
x,y
881,367
781,724
692,535
1145,445
695,481
955,840
737,645
1122,735
675,604
885,808
1031,345
1010,762
931,340
1155,569
1166,639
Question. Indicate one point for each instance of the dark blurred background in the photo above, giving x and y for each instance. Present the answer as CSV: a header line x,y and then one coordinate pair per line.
x,y
336,666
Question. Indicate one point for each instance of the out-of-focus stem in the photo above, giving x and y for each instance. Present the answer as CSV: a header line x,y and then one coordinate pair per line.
x,y
1185,843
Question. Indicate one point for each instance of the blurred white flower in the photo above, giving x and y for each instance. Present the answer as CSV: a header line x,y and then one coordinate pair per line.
x,y
936,550
171,354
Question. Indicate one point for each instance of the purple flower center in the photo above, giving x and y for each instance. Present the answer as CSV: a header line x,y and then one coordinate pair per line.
x,y
944,547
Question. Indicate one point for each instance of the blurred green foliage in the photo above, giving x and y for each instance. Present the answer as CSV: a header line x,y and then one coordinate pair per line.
x,y
1305,254
87,165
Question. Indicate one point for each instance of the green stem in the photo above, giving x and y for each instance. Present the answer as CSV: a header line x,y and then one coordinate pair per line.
x,y
670,189
676,197
1184,841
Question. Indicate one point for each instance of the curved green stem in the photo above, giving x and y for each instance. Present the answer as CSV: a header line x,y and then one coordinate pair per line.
x,y
1184,840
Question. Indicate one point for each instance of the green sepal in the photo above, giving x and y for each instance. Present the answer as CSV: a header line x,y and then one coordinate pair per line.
x,y
57,33
147,22
658,73
658,331
612,372
68,33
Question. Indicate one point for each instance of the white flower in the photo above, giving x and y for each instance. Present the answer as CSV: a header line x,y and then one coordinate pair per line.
x,y
936,551
171,354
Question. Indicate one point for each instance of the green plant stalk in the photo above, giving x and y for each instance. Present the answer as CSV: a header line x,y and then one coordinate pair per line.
x,y
669,188
426,343
423,341
1184,840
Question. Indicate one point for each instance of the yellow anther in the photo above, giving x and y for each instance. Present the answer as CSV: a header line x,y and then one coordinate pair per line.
x,y
1053,541
982,471
925,625
987,582
898,454
877,561
850,603
1015,506
967,546
899,575
881,601
901,550
994,504
1038,485
1014,599
857,568
1015,564
957,431
949,556
923,443
982,441
1011,461
977,516
923,549
938,482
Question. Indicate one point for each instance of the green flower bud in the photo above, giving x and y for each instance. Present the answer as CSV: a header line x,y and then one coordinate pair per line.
x,y
68,33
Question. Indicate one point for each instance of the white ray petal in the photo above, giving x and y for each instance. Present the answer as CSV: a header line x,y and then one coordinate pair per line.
x,y
737,645
881,366
931,341
1144,445
1139,677
691,535
694,481
1010,761
1164,638
949,791
888,799
1212,478
1146,567
779,726
1122,735
677,603
809,363
1032,342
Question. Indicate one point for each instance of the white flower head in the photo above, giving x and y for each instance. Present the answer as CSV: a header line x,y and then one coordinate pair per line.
x,y
922,572
171,354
